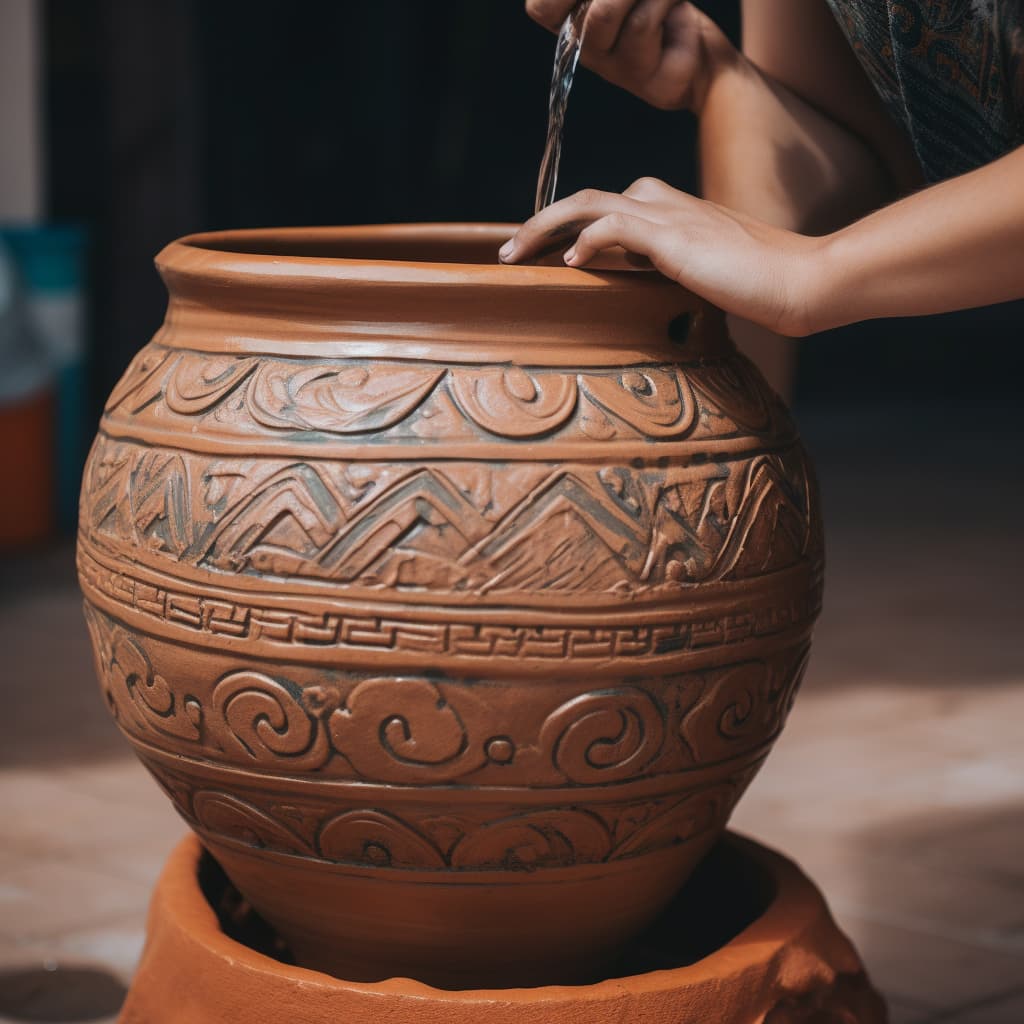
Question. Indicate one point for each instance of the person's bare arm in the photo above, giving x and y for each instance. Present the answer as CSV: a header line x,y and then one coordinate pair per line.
x,y
791,131
798,46
951,246
832,153
954,245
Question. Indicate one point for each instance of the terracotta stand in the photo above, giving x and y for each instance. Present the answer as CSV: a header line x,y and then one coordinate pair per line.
x,y
785,962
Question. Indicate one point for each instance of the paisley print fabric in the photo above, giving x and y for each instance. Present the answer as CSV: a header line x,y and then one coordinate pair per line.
x,y
952,71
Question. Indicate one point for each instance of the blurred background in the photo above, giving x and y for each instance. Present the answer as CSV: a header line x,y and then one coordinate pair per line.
x,y
126,123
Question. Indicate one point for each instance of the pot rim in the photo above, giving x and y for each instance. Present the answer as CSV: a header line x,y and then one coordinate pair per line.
x,y
294,290
233,251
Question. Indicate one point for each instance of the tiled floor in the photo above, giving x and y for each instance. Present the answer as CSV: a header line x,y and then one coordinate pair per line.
x,y
898,785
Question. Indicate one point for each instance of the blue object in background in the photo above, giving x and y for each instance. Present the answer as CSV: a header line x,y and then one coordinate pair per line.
x,y
51,261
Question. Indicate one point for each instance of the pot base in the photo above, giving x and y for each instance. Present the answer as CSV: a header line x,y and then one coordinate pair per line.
x,y
366,926
768,950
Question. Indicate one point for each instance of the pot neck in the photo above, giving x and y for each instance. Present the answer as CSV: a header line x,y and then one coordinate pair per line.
x,y
421,292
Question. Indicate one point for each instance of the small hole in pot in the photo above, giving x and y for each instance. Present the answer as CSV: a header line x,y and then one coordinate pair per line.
x,y
679,328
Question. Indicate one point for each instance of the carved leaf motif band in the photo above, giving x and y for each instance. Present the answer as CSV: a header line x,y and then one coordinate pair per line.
x,y
254,394
558,836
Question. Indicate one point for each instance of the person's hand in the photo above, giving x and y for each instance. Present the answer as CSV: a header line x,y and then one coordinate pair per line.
x,y
759,272
664,51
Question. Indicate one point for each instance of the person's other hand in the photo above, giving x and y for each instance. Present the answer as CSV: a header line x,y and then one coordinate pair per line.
x,y
664,51
759,272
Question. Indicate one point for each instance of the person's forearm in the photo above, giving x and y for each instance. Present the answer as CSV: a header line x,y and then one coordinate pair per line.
x,y
953,246
768,153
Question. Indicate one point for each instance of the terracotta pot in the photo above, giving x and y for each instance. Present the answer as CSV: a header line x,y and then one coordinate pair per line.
x,y
780,959
453,604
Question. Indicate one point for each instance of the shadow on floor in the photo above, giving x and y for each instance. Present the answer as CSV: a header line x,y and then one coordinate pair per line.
x,y
59,994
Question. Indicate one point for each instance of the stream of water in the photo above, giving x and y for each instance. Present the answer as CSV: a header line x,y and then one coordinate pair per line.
x,y
567,56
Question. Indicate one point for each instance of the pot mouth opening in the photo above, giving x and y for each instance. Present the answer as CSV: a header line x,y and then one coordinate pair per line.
x,y
467,244
425,251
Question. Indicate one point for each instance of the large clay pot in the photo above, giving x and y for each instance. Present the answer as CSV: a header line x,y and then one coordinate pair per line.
x,y
454,605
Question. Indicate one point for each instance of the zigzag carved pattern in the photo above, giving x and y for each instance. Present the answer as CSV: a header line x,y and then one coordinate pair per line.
x,y
467,527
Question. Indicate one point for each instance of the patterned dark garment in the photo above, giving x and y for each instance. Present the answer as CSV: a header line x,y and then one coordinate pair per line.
x,y
951,71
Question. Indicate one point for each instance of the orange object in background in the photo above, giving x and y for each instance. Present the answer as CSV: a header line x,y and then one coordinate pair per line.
x,y
26,469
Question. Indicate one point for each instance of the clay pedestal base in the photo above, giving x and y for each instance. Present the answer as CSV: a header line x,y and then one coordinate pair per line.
x,y
766,952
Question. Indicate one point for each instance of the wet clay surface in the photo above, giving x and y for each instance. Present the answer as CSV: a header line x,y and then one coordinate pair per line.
x,y
453,605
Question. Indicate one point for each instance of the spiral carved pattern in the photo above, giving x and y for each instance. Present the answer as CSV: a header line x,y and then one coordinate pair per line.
x,y
260,718
227,815
408,730
376,839
554,838
510,402
140,699
417,733
604,736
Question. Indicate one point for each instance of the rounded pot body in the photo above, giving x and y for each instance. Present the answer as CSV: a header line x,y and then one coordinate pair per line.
x,y
454,605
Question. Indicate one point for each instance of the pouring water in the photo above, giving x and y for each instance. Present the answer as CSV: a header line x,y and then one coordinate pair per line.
x,y
567,56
